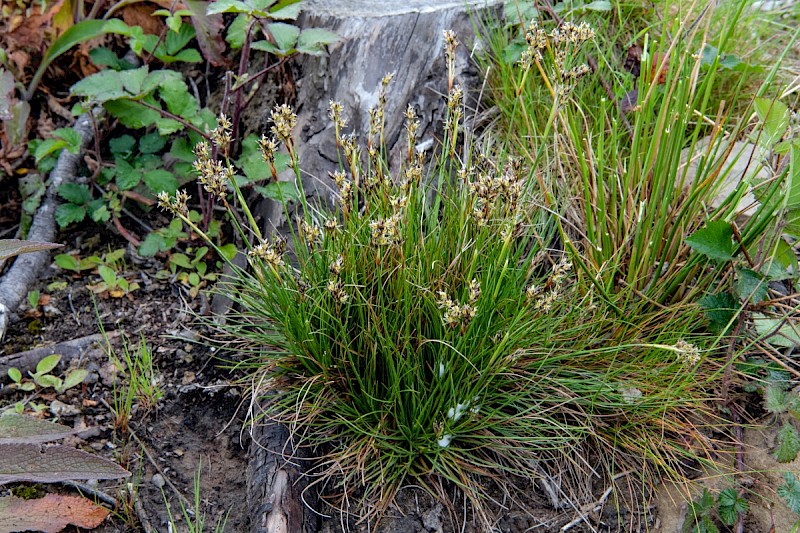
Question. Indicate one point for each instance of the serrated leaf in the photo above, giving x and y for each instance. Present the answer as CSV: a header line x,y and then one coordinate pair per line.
x,y
48,364
108,85
715,241
31,462
285,35
19,429
122,145
775,399
75,193
313,39
750,285
790,492
730,506
281,191
228,6
776,331
161,180
151,143
720,309
286,10
132,114
67,214
237,32
787,444
268,47
13,247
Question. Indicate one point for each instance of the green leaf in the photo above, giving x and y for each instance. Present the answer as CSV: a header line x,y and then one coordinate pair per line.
x,y
68,262
788,444
15,374
790,492
98,210
312,40
75,378
175,94
122,145
750,285
285,35
228,251
181,260
67,214
720,309
521,12
111,85
774,116
152,244
128,176
181,150
194,279
228,6
190,55
599,5
48,364
75,34
161,180
132,114
108,275
151,143
286,10
730,506
776,331
715,241
75,193
268,47
281,191
775,399
237,32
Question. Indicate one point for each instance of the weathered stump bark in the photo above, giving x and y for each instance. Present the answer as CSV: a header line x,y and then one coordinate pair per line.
x,y
378,37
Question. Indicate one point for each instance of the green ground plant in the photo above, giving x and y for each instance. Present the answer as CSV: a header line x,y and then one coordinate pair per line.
x,y
138,390
459,321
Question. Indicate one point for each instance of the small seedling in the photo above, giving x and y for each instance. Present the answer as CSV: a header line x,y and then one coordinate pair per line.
x,y
43,377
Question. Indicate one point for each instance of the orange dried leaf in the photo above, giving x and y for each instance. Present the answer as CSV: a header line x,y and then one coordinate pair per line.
x,y
50,514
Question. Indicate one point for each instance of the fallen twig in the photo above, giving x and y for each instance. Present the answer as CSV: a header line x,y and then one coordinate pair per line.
x,y
27,360
14,286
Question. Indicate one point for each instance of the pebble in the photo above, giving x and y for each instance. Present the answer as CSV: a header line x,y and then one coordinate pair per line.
x,y
158,481
60,409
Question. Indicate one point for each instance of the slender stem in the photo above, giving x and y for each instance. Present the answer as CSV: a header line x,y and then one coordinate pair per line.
x,y
186,124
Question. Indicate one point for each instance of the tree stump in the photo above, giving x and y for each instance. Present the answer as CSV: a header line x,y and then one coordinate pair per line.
x,y
378,37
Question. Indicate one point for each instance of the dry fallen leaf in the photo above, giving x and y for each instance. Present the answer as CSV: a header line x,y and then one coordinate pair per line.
x,y
50,514
32,462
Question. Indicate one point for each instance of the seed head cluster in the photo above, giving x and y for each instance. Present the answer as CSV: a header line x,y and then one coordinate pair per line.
x,y
543,297
213,174
456,314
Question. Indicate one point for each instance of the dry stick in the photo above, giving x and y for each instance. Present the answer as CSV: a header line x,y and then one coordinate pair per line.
x,y
68,350
14,286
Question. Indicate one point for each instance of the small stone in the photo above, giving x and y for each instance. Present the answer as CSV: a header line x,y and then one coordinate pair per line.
x,y
188,377
158,481
61,409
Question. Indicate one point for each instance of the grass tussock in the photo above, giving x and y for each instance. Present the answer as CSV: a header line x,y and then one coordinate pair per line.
x,y
501,308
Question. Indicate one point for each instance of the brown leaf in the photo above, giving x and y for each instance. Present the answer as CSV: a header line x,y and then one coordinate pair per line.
x,y
20,429
50,514
141,15
30,32
209,32
31,462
